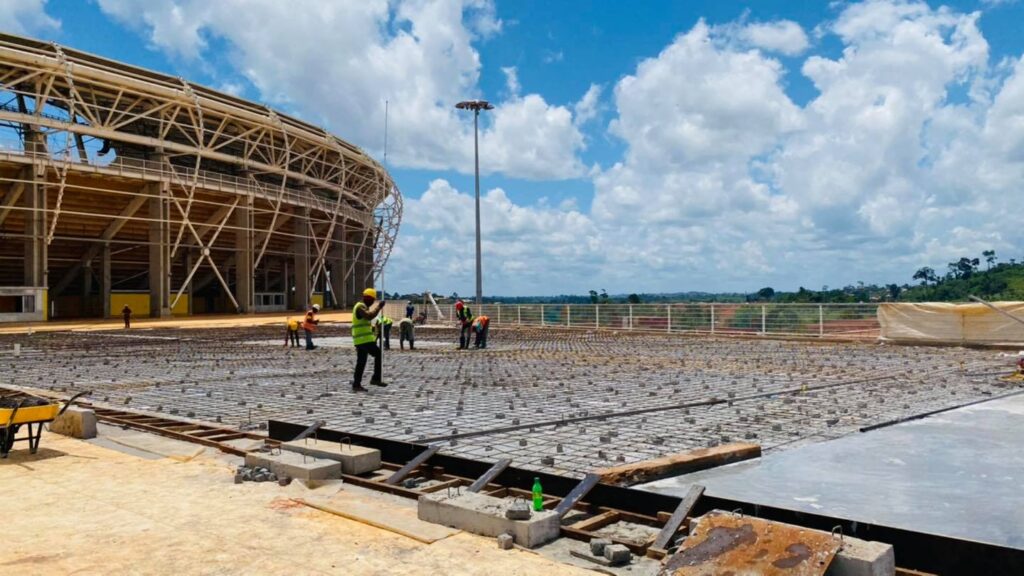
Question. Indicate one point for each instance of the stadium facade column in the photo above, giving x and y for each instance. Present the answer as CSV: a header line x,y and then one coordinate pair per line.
x,y
300,250
336,259
244,257
34,201
105,278
159,250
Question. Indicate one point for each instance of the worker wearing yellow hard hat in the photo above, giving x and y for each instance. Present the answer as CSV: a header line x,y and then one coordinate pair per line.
x,y
364,339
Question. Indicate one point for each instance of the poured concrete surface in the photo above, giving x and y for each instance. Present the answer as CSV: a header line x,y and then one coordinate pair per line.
x,y
959,473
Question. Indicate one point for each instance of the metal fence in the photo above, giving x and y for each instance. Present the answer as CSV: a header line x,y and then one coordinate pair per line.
x,y
808,320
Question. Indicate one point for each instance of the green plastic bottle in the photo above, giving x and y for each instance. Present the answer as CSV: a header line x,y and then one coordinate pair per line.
x,y
538,496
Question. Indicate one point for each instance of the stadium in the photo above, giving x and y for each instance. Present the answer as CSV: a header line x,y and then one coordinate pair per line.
x,y
124,186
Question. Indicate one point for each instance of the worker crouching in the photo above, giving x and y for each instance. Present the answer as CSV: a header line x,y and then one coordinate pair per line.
x,y
382,329
406,331
291,336
364,339
480,327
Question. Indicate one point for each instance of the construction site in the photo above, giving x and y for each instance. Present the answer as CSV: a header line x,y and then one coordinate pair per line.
x,y
691,438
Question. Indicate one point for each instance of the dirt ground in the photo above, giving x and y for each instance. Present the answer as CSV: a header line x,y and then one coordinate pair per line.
x,y
134,503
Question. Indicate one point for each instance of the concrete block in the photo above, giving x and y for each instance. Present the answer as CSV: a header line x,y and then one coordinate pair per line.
x,y
354,459
863,558
617,554
295,465
485,515
505,541
75,422
597,546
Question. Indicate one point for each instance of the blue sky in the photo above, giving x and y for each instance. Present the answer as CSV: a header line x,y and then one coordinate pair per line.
x,y
636,146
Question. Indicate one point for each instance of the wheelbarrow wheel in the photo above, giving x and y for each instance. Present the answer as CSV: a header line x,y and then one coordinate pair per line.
x,y
7,436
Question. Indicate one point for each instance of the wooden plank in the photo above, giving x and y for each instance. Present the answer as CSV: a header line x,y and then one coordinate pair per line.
x,y
441,486
384,518
490,475
596,522
675,464
682,511
577,494
412,464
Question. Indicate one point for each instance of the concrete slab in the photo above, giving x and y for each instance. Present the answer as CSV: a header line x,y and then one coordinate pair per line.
x,y
354,459
295,465
485,515
75,422
971,458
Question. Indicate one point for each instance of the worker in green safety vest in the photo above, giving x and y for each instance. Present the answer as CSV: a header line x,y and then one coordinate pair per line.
x,y
382,327
364,339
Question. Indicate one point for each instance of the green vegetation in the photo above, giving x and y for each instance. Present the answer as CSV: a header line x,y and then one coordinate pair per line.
x,y
963,277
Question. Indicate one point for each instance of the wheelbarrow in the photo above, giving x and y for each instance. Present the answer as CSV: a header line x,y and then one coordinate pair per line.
x,y
19,410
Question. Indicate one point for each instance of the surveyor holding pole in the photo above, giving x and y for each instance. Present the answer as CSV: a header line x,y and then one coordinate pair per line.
x,y
465,318
364,339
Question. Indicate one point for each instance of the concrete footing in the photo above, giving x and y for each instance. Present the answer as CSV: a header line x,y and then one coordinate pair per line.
x,y
353,459
295,465
863,558
75,422
485,515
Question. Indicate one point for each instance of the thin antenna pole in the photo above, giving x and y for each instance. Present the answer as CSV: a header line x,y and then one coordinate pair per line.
x,y
379,232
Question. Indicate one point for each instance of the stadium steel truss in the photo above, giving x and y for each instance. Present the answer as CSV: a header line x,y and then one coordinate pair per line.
x,y
120,184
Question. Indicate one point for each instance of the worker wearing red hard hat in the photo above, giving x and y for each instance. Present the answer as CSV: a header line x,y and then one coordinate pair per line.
x,y
465,318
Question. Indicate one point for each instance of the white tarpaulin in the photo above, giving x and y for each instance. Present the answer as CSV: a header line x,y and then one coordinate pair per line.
x,y
952,323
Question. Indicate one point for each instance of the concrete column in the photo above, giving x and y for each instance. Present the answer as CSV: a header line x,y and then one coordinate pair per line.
x,y
105,279
87,290
336,259
300,248
244,258
159,253
188,268
34,200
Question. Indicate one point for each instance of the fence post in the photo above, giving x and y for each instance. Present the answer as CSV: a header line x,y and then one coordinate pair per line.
x,y
498,306
630,316
668,327
712,318
519,314
568,315
821,321
597,316
541,314
763,317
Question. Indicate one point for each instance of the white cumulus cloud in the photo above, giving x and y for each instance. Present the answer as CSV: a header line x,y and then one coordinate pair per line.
x,y
335,63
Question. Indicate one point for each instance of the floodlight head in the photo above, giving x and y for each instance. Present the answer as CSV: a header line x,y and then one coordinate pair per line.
x,y
475,105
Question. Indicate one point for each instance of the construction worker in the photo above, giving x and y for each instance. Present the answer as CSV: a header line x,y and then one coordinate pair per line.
x,y
309,324
364,340
126,313
465,318
1020,363
382,328
410,309
480,326
406,331
291,336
